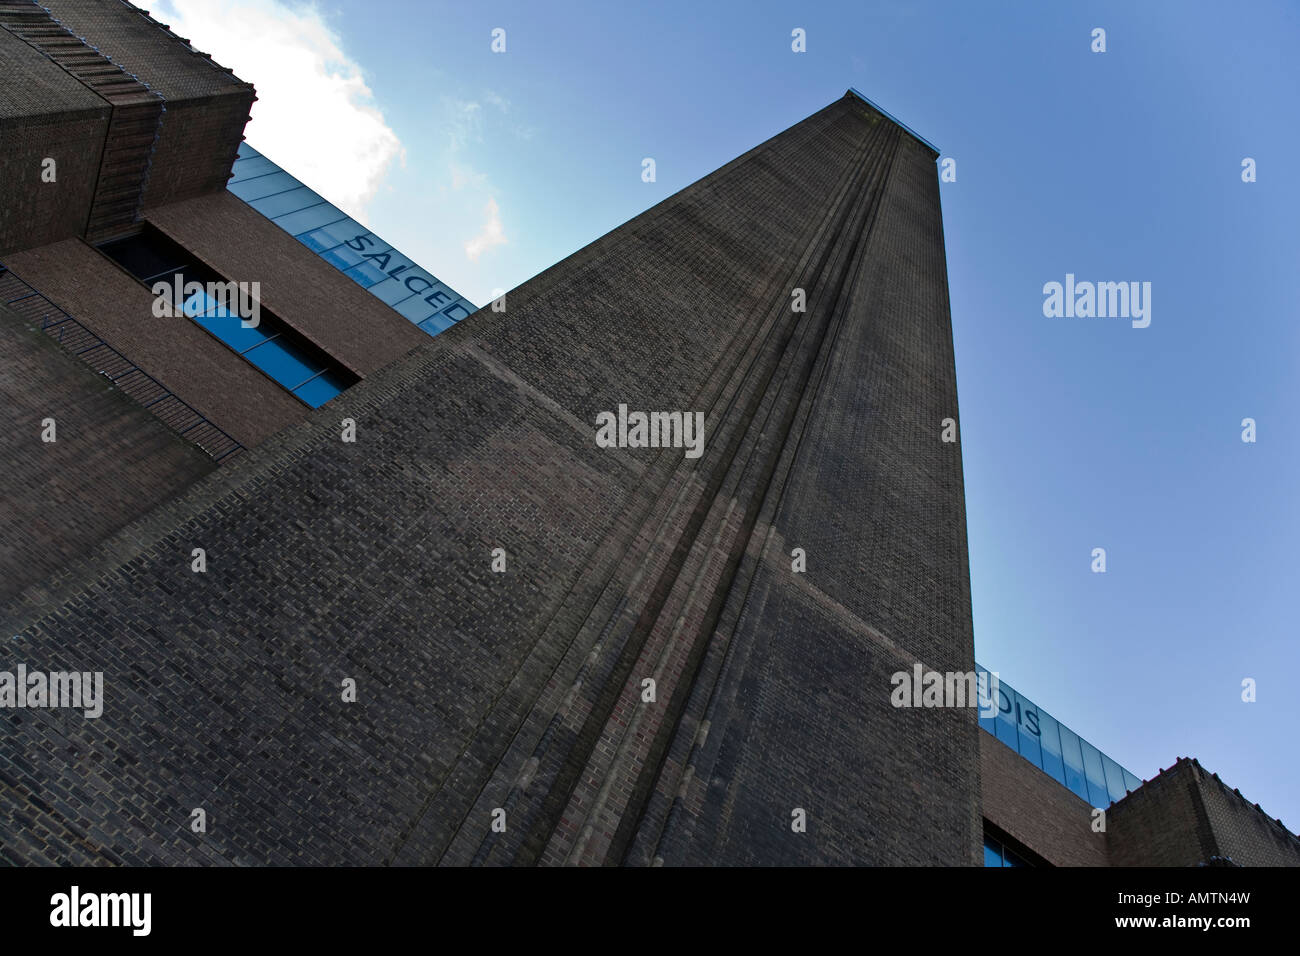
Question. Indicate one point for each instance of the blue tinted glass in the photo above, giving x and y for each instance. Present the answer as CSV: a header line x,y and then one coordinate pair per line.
x,y
341,257
224,323
435,324
438,296
1006,719
420,283
1130,781
1072,757
261,186
985,687
243,150
1038,737
251,168
415,309
1029,729
282,362
1050,739
392,263
459,310
230,329
319,390
1096,774
1114,778
390,291
305,220
286,202
365,275
340,232
197,304
1009,858
992,854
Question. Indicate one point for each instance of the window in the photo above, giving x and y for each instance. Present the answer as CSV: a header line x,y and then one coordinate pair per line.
x,y
997,853
302,369
1002,850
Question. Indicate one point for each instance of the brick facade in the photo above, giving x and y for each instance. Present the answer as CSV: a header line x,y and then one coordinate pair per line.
x,y
1182,817
1186,816
111,461
49,115
1037,810
186,359
326,306
522,690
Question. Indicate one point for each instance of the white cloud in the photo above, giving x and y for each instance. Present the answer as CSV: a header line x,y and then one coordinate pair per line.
x,y
315,114
462,176
492,234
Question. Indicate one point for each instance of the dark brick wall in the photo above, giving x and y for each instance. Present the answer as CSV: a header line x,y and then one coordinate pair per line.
x,y
1037,810
47,114
207,106
143,47
1185,816
35,85
32,212
193,365
1162,823
1242,830
306,292
111,463
197,144
52,112
522,690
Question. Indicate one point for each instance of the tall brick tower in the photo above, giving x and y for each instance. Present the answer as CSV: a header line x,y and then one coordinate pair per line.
x,y
563,653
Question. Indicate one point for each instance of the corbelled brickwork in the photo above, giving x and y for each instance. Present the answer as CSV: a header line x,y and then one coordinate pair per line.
x,y
206,105
524,691
133,123
49,115
131,116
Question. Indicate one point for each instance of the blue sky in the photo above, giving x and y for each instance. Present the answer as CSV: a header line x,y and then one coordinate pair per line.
x,y
1077,433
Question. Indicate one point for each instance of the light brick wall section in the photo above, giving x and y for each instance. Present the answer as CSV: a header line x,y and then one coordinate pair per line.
x,y
1037,810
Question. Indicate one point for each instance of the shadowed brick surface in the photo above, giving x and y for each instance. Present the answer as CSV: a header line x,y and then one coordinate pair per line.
x,y
371,561
112,460
132,116
144,47
207,105
48,115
